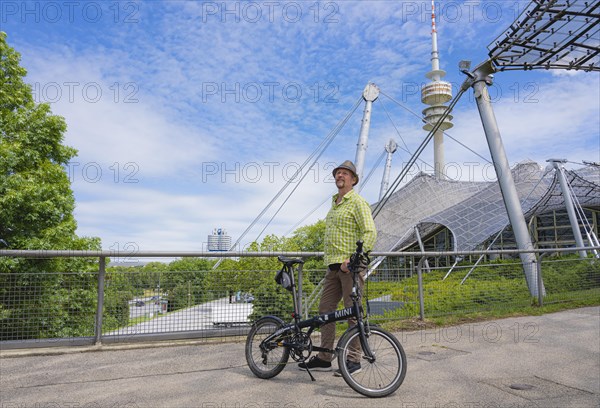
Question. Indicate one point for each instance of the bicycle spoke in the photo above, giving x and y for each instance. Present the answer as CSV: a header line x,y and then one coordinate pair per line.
x,y
382,376
265,360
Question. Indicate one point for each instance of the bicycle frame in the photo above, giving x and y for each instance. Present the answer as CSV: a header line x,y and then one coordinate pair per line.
x,y
354,311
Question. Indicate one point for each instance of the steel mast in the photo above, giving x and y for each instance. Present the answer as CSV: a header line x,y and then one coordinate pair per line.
x,y
390,148
370,94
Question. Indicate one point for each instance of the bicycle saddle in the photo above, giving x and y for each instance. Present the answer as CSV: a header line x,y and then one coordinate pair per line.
x,y
290,261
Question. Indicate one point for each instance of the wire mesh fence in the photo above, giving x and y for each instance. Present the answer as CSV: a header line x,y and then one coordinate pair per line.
x,y
38,307
41,304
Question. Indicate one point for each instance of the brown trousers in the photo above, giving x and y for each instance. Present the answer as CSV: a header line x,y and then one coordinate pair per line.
x,y
337,286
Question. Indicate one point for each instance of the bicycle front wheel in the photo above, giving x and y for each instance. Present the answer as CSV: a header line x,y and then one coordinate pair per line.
x,y
384,374
266,359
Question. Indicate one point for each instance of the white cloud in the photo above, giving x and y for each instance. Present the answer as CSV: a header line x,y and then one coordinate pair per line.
x,y
111,120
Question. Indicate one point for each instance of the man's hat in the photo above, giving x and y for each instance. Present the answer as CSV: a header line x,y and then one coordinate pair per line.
x,y
348,165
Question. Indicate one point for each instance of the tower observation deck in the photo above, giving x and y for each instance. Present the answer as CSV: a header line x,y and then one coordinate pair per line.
x,y
436,94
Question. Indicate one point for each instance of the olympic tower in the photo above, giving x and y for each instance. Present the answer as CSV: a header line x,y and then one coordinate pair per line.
x,y
436,94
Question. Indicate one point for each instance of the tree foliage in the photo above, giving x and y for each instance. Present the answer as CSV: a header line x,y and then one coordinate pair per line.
x,y
36,212
35,194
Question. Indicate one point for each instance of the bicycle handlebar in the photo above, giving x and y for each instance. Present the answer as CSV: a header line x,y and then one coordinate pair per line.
x,y
355,258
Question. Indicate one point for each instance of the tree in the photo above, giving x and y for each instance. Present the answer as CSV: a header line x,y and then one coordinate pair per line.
x,y
35,194
246,272
187,282
310,238
36,212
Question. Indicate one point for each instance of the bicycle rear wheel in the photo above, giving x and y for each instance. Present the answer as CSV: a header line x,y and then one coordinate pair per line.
x,y
385,374
265,360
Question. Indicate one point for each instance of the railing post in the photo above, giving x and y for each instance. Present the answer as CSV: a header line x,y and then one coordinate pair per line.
x,y
539,278
421,297
100,300
299,286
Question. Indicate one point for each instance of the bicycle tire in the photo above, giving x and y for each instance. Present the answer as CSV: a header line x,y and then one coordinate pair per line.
x,y
381,377
268,363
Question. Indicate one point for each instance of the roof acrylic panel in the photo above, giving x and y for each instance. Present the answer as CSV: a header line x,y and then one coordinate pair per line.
x,y
551,34
475,211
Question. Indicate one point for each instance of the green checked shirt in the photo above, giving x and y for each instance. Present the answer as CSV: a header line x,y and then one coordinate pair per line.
x,y
345,224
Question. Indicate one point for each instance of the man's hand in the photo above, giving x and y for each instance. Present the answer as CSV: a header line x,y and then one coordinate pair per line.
x,y
344,266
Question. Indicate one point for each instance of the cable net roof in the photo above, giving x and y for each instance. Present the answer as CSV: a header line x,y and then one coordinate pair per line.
x,y
474,211
422,196
585,183
551,34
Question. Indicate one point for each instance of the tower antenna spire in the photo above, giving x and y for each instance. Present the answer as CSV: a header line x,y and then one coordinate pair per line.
x,y
435,57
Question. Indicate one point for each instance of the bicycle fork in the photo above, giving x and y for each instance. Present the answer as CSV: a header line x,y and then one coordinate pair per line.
x,y
368,353
360,324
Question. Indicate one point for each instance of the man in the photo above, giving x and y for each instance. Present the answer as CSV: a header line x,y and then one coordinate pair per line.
x,y
348,221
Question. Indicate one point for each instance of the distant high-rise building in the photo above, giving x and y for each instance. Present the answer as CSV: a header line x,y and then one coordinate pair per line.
x,y
219,240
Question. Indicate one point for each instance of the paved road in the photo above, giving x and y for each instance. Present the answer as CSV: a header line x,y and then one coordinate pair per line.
x,y
541,361
199,317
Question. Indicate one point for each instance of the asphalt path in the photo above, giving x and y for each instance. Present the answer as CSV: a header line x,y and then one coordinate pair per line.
x,y
218,312
533,361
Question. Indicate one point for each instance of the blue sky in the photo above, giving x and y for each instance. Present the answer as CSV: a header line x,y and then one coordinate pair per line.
x,y
190,116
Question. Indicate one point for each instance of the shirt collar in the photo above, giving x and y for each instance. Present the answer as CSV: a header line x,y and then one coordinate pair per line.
x,y
344,198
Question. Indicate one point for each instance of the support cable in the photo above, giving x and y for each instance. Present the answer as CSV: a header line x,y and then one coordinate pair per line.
x,y
584,163
445,133
329,197
589,230
307,215
318,152
375,166
417,153
406,149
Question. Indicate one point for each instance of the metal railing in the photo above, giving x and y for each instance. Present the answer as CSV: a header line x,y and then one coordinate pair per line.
x,y
39,308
